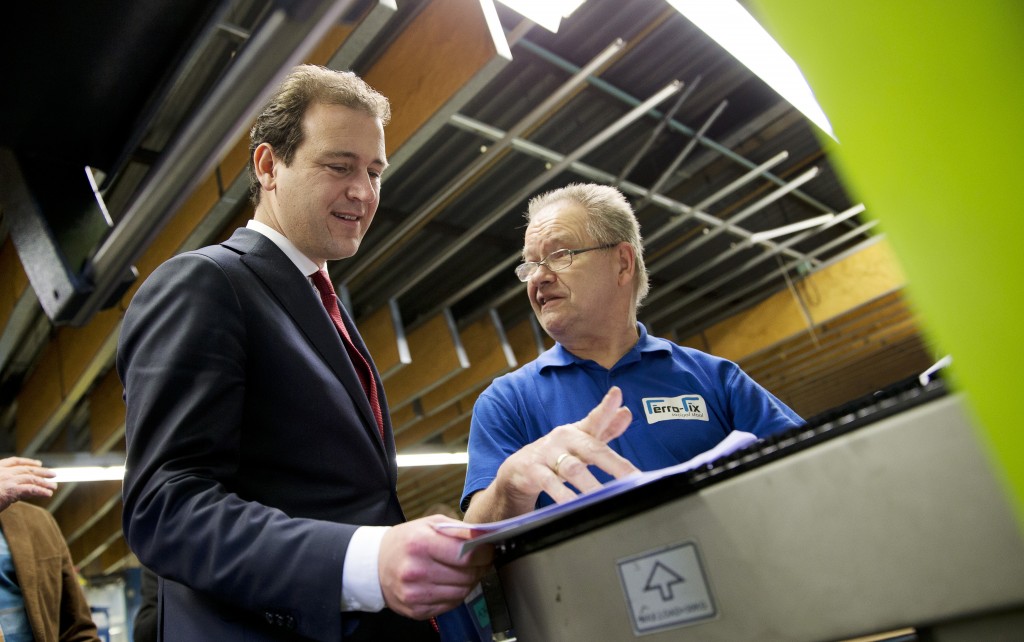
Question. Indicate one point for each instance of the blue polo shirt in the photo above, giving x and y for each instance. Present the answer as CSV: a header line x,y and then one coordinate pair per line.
x,y
683,402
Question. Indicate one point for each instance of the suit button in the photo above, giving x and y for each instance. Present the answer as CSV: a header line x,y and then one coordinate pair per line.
x,y
289,622
269,617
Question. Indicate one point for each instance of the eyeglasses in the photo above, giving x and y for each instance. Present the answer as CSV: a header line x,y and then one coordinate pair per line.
x,y
556,261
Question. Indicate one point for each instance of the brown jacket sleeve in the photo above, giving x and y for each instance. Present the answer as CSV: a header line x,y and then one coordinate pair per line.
x,y
56,606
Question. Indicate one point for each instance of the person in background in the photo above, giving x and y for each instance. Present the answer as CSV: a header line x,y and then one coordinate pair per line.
x,y
585,277
261,467
40,597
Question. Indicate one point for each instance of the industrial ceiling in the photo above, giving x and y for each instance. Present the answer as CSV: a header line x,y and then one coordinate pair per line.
x,y
489,110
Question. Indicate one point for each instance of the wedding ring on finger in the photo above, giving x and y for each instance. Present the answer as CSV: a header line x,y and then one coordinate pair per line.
x,y
558,462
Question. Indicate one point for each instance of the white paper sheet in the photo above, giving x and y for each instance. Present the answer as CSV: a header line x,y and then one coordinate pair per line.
x,y
506,528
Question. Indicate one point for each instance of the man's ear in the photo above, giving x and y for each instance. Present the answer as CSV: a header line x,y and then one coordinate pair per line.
x,y
265,163
627,262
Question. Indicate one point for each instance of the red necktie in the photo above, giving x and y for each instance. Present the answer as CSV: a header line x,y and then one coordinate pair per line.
x,y
330,300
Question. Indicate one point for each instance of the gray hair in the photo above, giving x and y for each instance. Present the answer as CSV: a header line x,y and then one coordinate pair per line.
x,y
280,122
610,219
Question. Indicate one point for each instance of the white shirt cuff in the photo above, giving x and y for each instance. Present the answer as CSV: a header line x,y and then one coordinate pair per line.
x,y
360,583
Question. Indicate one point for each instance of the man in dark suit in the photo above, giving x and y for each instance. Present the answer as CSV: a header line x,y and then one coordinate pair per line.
x,y
261,474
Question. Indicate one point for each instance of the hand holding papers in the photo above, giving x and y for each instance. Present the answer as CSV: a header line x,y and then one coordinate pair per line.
x,y
506,528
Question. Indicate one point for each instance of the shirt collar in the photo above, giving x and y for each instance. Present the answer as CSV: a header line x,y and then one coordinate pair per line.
x,y
300,260
559,356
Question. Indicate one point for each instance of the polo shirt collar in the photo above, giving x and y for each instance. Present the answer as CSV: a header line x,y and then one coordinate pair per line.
x,y
558,356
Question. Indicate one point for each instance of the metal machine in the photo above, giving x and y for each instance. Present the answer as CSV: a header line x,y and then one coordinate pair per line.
x,y
883,515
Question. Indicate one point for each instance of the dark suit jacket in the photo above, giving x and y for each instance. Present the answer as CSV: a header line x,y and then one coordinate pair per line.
x,y
253,454
56,607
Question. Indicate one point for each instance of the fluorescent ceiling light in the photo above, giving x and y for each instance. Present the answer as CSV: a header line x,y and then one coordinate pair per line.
x,y
737,32
793,227
68,474
546,13
432,459
88,473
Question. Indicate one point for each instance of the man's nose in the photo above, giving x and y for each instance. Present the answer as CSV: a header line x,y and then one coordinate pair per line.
x,y
362,189
542,274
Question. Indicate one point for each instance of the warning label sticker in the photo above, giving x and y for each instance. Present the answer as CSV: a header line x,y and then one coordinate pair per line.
x,y
666,588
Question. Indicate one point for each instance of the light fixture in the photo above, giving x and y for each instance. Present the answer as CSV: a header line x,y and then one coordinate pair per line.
x,y
739,33
432,459
546,13
88,473
68,474
805,224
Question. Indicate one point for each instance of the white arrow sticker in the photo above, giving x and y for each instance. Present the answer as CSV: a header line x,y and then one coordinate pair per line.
x,y
666,588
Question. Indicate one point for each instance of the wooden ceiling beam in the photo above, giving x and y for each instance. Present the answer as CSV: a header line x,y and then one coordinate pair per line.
x,y
437,481
437,355
853,339
384,336
87,551
429,426
458,433
489,354
432,74
87,504
834,290
106,414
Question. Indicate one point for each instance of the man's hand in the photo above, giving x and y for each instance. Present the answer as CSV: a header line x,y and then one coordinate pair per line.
x,y
421,572
21,478
560,456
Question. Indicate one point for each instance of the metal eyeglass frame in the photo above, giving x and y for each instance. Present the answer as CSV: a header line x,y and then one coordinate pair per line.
x,y
525,270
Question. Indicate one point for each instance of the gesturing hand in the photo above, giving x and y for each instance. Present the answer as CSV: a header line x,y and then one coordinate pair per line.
x,y
21,477
560,456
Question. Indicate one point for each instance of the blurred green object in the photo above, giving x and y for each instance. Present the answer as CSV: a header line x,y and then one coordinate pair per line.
x,y
926,100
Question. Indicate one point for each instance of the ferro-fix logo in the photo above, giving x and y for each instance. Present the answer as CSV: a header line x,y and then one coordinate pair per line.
x,y
681,407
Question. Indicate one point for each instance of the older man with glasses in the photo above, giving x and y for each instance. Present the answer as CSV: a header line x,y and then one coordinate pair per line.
x,y
621,399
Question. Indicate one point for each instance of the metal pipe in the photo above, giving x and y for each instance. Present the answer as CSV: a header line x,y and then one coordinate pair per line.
x,y
601,176
234,31
539,182
732,221
676,221
732,274
631,164
426,211
678,160
281,42
612,90
501,266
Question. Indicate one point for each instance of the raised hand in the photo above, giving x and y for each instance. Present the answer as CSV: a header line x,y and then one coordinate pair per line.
x,y
560,456
21,477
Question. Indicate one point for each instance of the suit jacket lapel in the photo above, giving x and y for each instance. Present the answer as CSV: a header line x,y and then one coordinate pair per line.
x,y
298,298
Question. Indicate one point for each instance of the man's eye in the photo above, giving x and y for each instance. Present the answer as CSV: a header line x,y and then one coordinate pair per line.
x,y
338,168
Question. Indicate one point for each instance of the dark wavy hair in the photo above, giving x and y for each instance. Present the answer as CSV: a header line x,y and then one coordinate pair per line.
x,y
280,122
